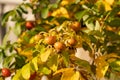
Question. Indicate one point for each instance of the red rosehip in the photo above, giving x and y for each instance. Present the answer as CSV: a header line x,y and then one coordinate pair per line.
x,y
75,26
29,24
59,46
50,40
72,41
6,72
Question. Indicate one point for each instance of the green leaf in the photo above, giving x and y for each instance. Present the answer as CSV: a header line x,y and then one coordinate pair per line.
x,y
23,9
96,33
1,56
6,16
7,61
114,11
28,5
5,39
80,14
25,71
112,36
18,11
115,22
86,46
115,65
55,5
83,64
44,12
19,61
53,62
114,76
65,56
17,29
93,39
39,28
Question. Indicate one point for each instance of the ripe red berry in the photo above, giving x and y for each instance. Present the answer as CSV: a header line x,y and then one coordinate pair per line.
x,y
6,72
29,24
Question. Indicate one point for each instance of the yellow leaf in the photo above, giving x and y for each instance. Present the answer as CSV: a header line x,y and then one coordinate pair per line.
x,y
34,62
107,6
67,75
61,12
101,66
76,76
101,71
66,2
44,56
62,70
26,71
26,53
110,1
63,3
118,63
17,75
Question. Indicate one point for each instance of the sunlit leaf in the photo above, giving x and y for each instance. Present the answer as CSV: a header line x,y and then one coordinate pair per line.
x,y
67,72
66,2
76,76
110,1
107,6
101,70
44,56
17,76
34,62
61,12
25,71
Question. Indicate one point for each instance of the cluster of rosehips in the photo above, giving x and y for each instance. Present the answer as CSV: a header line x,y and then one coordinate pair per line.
x,y
58,45
51,40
